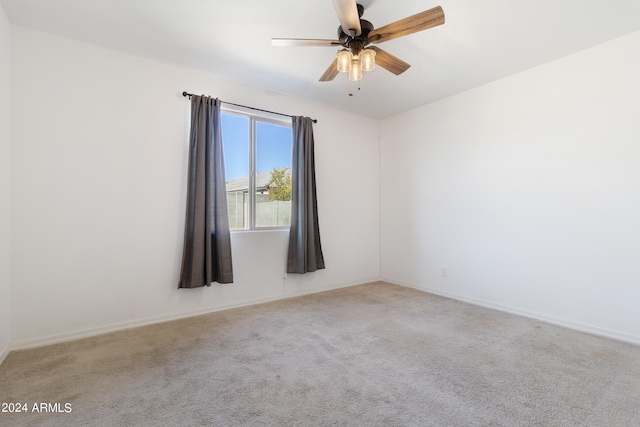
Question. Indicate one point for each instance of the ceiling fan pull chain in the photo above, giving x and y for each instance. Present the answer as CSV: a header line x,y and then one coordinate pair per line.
x,y
351,87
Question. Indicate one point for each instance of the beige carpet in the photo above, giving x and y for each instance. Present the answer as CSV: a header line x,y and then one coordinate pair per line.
x,y
370,355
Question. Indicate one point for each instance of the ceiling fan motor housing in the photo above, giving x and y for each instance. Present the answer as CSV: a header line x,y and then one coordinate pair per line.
x,y
356,44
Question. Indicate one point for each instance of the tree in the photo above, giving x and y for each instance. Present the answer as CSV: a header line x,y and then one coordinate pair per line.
x,y
280,184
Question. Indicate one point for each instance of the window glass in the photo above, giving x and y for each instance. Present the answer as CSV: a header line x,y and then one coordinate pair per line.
x,y
257,154
235,142
273,178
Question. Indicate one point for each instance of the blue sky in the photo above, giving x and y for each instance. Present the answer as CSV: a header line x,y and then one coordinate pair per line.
x,y
273,146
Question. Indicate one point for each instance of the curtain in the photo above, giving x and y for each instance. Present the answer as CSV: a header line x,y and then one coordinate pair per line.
x,y
305,250
206,256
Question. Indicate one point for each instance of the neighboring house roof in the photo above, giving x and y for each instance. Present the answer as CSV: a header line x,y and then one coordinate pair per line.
x,y
242,184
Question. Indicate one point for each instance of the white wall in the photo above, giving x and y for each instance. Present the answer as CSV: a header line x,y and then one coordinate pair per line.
x,y
98,187
526,190
5,176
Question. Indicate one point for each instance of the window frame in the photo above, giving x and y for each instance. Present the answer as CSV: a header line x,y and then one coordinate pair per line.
x,y
255,116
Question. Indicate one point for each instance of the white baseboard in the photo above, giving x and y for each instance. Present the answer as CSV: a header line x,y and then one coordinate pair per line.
x,y
570,324
4,353
85,333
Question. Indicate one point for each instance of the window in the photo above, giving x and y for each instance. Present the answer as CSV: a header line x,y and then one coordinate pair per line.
x,y
257,152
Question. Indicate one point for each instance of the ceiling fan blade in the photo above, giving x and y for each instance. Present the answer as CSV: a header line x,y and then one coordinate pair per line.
x,y
304,42
348,15
418,22
331,72
389,62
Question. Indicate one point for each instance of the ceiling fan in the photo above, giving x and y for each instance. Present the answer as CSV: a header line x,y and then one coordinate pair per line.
x,y
355,35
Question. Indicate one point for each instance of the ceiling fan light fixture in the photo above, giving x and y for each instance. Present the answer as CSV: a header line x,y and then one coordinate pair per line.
x,y
355,72
344,60
368,59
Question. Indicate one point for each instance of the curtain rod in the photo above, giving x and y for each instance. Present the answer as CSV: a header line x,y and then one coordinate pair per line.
x,y
189,95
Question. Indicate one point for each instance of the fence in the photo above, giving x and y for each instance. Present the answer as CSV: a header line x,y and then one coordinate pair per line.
x,y
269,213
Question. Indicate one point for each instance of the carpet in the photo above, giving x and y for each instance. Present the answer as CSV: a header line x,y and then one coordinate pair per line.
x,y
369,355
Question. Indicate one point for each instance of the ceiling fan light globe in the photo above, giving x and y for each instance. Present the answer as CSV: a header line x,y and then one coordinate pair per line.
x,y
368,59
355,72
344,61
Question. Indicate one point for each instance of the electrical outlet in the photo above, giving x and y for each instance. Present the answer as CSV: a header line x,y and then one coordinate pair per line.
x,y
444,272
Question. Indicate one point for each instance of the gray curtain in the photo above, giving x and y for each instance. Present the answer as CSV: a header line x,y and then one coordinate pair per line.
x,y
206,256
305,250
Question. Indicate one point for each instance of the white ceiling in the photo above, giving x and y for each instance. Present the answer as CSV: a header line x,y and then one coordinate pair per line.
x,y
481,41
